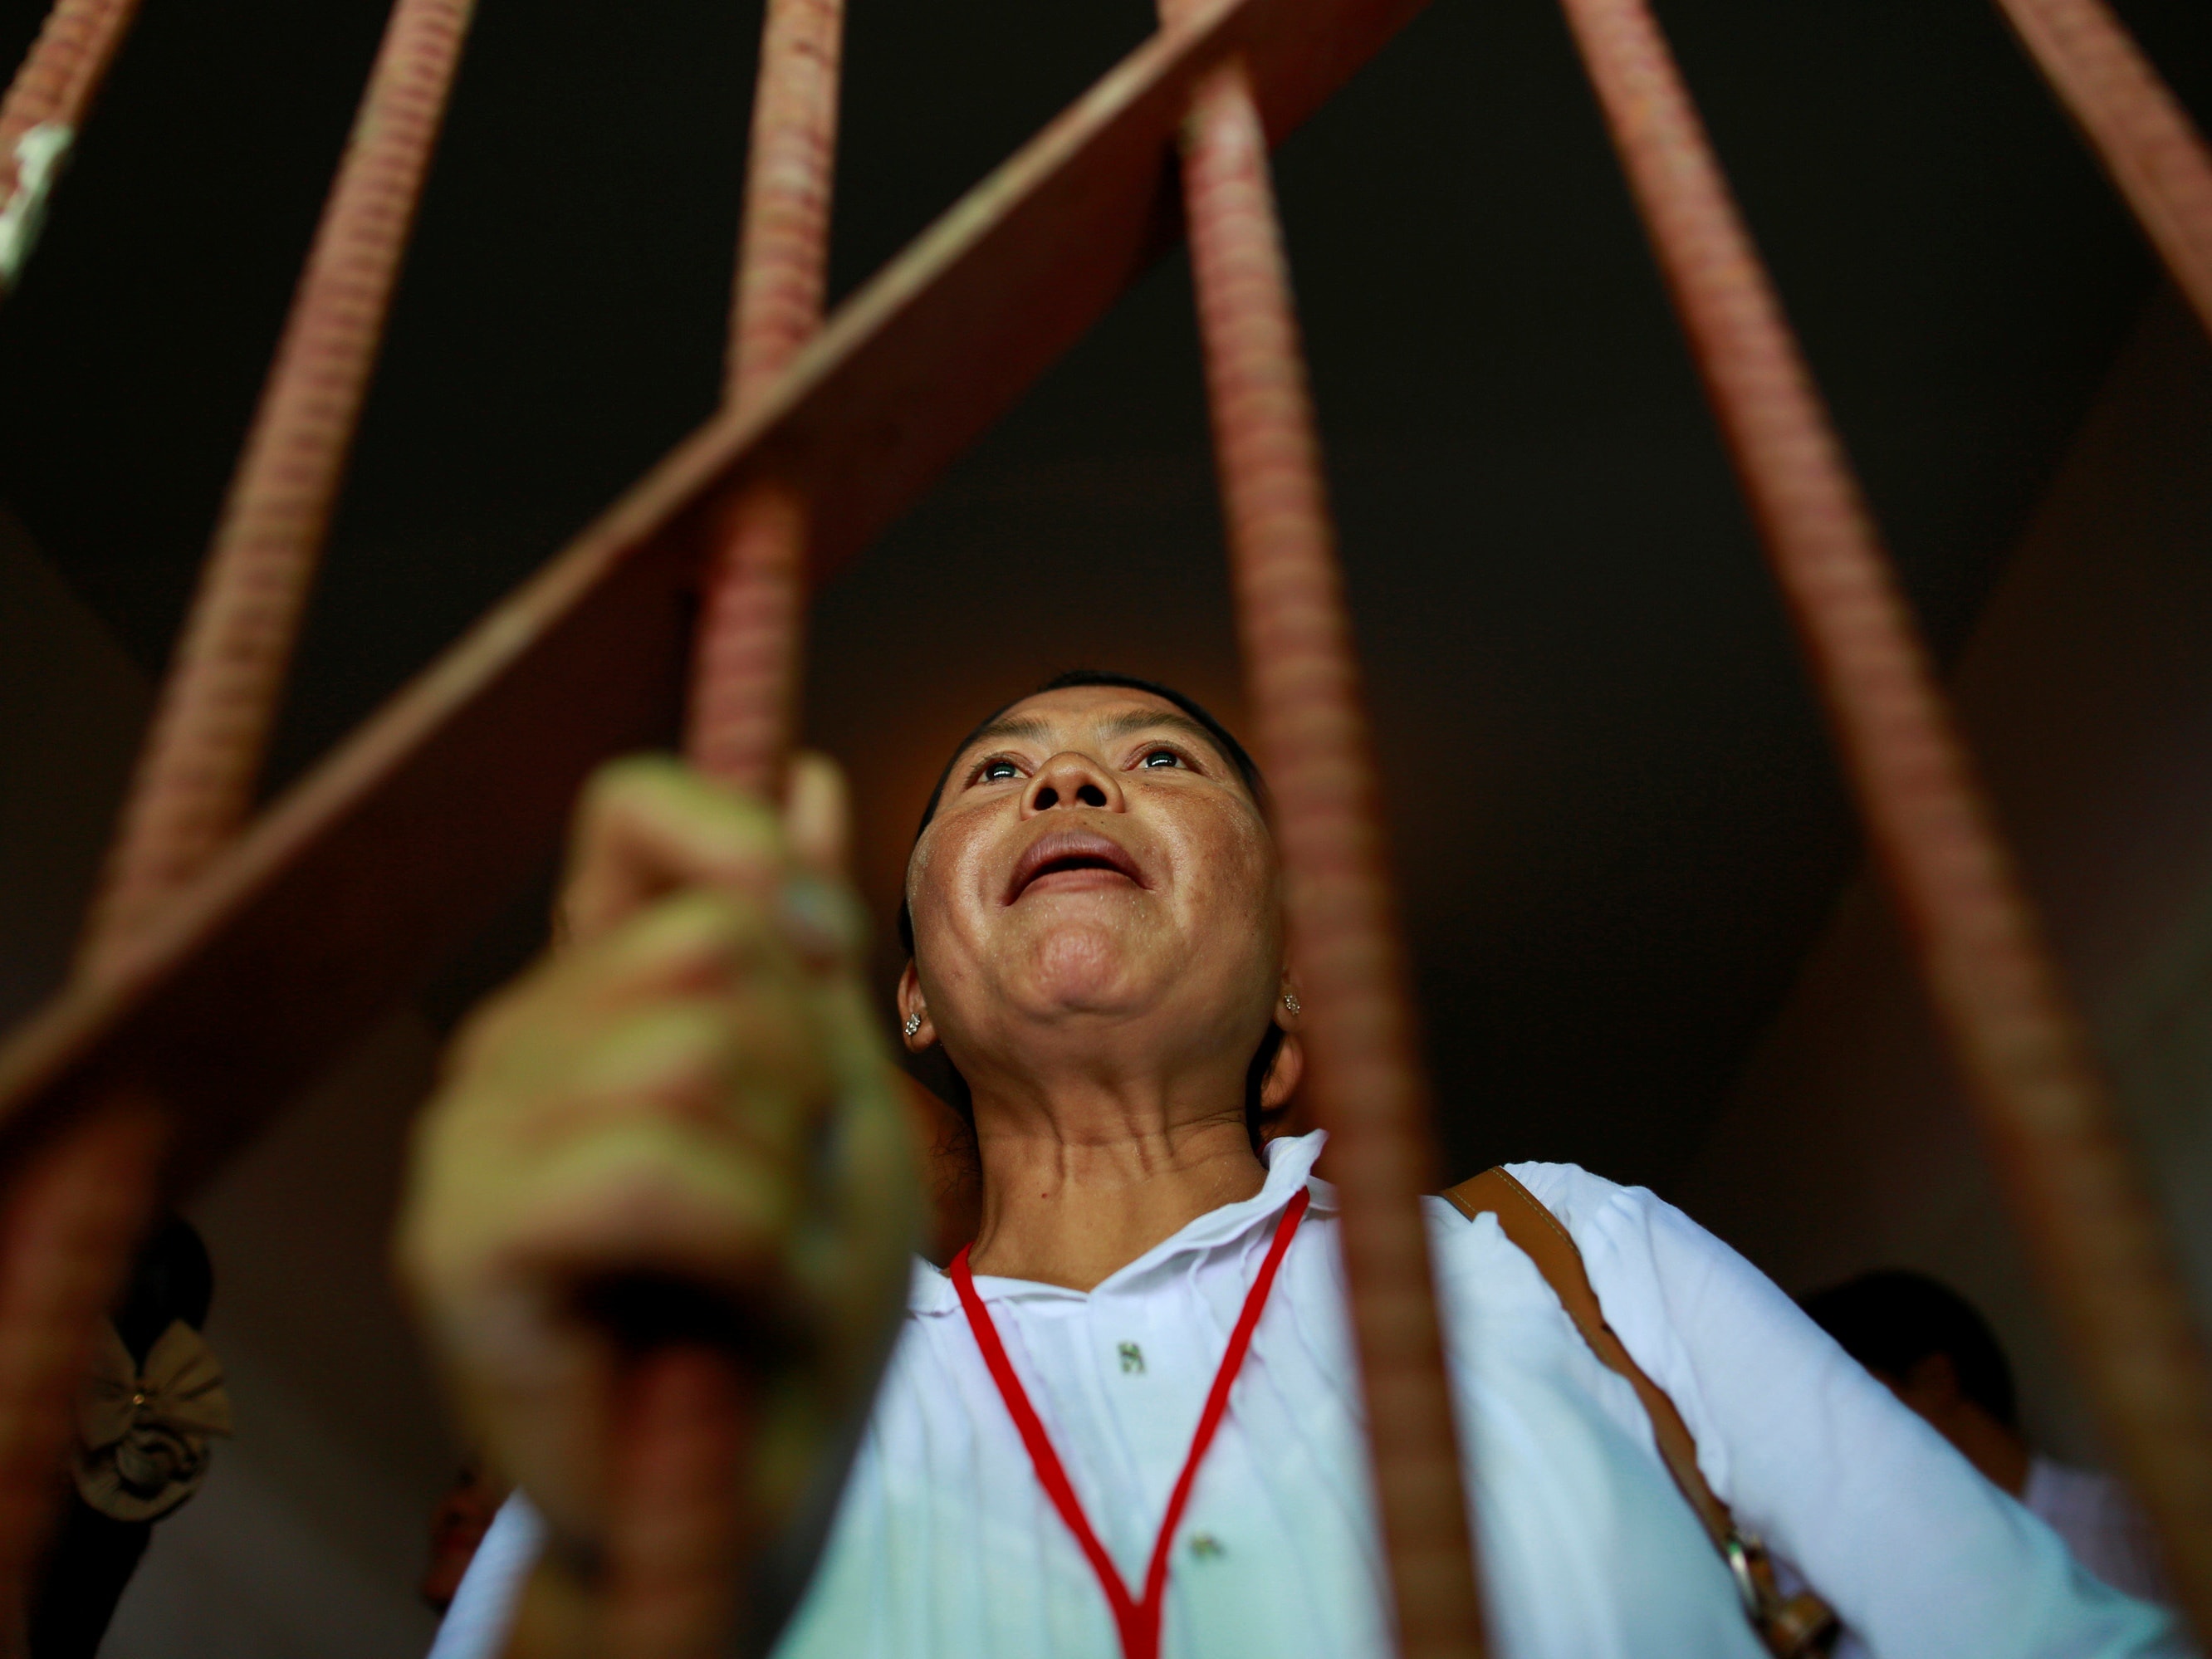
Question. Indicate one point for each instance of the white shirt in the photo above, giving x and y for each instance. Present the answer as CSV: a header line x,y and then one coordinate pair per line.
x,y
945,1546
2101,1523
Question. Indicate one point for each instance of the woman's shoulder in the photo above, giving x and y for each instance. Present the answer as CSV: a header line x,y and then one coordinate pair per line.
x,y
1568,1191
1574,1197
1602,1219
1628,1237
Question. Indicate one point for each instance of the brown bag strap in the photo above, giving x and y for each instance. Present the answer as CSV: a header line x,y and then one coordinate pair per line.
x,y
1793,1626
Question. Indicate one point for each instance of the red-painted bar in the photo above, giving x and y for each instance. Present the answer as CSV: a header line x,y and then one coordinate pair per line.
x,y
2083,1211
1364,1079
675,1537
46,107
751,633
196,780
2136,125
83,1196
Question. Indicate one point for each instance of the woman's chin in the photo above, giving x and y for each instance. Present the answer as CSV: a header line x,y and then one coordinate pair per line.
x,y
1082,970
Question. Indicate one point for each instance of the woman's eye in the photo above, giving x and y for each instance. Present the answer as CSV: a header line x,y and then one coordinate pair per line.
x,y
1162,757
999,771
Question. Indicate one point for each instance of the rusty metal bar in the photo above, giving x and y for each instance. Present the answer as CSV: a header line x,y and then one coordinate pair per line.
x,y
676,1534
89,1187
416,829
783,256
674,1543
2091,1229
745,674
71,1214
196,780
413,830
2135,124
1365,1076
46,106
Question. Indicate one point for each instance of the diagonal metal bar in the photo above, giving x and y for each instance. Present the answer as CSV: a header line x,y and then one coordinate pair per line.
x,y
2135,124
91,1186
417,827
46,104
1365,1076
2091,1229
195,783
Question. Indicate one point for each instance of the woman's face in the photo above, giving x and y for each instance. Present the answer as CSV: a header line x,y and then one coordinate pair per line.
x,y
1096,872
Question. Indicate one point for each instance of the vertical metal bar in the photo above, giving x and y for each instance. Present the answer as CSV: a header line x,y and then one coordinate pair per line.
x,y
2091,1229
45,107
82,1200
71,1214
2137,127
745,671
676,1532
1364,1076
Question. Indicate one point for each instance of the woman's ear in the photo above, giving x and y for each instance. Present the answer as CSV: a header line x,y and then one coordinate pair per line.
x,y
915,1029
1285,1075
1288,1068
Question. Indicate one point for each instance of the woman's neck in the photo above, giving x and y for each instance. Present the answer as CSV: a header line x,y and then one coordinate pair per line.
x,y
1068,1205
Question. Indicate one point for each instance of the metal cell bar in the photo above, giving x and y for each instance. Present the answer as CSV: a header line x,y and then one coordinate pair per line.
x,y
414,829
1364,1078
90,1185
675,1537
2091,1229
2137,127
46,106
196,779
783,256
745,674
72,1210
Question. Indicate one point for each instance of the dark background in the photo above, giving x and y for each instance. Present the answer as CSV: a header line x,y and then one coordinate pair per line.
x,y
1613,809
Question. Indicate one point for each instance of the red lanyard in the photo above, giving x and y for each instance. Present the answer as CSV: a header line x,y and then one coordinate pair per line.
x,y
1138,1621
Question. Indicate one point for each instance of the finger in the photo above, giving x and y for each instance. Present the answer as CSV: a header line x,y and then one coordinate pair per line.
x,y
698,944
817,815
750,1087
649,826
645,1197
497,1244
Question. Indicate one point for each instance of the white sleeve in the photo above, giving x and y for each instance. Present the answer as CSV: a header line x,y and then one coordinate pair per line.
x,y
476,1625
1919,1554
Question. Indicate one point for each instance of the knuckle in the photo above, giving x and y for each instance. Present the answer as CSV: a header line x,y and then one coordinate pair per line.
x,y
492,1025
698,940
620,791
649,1200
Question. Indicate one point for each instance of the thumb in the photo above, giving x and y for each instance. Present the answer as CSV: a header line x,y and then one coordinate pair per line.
x,y
817,815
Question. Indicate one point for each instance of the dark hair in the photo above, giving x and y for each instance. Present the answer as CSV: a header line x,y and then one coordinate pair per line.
x,y
1891,1320
1247,769
949,1083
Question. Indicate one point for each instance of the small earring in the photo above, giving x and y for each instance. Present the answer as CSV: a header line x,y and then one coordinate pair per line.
x,y
1290,1002
912,1024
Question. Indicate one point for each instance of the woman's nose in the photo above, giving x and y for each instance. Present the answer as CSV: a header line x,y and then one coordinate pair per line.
x,y
1072,779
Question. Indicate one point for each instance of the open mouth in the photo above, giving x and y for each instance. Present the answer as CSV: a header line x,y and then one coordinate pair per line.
x,y
1071,858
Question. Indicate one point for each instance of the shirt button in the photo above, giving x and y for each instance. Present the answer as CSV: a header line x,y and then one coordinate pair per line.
x,y
1205,1546
1132,1359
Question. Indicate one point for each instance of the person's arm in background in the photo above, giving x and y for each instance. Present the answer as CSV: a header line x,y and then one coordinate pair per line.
x,y
689,1094
1920,1556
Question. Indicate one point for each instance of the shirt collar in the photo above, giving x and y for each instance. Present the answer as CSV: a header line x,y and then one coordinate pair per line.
x,y
1289,1161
